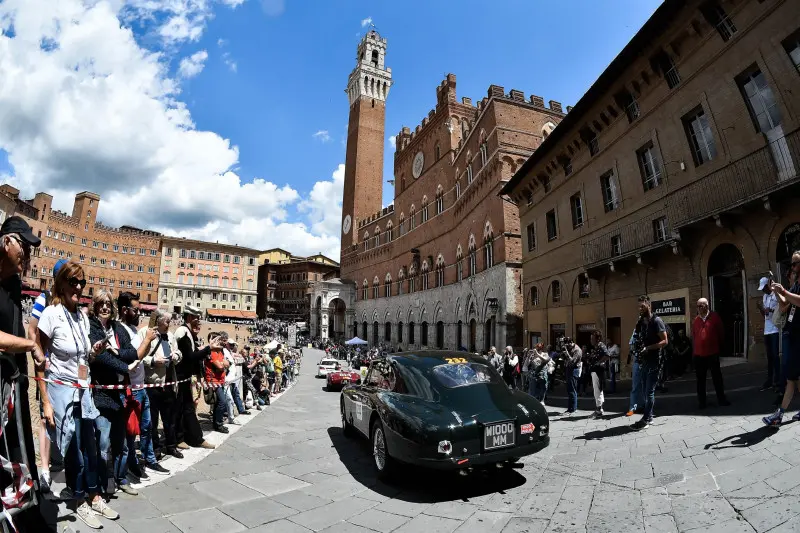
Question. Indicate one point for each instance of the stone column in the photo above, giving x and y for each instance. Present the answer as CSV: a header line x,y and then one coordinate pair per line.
x,y
324,317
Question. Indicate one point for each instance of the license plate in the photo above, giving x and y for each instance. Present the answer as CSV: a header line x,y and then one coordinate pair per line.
x,y
498,435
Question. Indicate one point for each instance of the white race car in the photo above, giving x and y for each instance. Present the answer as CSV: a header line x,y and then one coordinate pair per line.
x,y
327,365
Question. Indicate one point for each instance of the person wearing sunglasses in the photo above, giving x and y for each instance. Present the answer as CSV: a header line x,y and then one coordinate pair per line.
x,y
789,302
70,412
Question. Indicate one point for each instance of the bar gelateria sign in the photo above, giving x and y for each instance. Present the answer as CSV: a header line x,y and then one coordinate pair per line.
x,y
672,307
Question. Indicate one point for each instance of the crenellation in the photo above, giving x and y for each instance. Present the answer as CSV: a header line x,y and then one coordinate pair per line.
x,y
537,101
517,95
496,90
466,100
555,106
569,108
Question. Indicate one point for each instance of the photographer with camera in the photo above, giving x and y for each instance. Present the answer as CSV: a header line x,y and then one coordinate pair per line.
x,y
574,364
650,337
598,363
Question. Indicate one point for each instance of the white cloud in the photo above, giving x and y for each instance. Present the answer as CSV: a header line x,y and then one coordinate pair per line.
x,y
322,135
193,65
393,141
324,204
96,111
366,22
230,63
273,8
178,20
221,42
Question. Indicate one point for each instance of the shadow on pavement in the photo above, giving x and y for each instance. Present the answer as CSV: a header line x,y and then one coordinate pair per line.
x,y
419,485
745,439
614,431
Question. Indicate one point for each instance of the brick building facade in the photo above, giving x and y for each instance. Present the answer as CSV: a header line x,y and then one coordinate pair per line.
x,y
114,259
676,176
440,267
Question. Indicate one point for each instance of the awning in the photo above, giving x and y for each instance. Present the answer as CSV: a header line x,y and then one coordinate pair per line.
x,y
35,294
231,313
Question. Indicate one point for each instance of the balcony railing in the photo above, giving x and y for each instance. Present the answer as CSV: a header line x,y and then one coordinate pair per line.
x,y
634,237
752,177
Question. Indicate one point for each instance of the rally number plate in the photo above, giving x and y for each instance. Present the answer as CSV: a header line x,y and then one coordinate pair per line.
x,y
498,435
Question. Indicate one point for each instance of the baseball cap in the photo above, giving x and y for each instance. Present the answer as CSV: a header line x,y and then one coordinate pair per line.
x,y
191,310
763,283
18,225
60,263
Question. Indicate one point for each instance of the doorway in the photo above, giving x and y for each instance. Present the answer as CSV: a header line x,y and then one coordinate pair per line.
x,y
614,330
473,333
726,281
556,332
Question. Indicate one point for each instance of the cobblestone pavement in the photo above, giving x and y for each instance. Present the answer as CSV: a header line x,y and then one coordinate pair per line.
x,y
291,470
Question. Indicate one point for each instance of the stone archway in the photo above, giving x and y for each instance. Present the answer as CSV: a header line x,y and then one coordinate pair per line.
x,y
337,311
727,293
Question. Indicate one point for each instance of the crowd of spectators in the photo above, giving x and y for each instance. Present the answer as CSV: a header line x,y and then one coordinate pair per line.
x,y
106,384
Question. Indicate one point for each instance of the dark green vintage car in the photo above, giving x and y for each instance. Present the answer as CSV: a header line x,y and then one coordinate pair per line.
x,y
443,410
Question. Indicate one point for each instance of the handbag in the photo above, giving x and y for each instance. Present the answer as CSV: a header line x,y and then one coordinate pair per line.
x,y
779,318
133,414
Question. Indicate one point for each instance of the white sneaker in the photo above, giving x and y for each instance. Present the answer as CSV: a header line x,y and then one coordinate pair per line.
x,y
44,482
88,516
100,507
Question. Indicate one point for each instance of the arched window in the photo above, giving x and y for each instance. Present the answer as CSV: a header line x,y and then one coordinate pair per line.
x,y
389,231
364,292
376,288
424,334
464,129
399,331
437,151
440,271
484,154
488,245
425,268
180,277
439,199
473,256
547,129
377,236
459,264
412,217
424,209
555,290
387,285
469,168
583,286
534,296
401,227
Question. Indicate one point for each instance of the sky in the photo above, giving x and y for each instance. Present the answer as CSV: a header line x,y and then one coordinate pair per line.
x,y
226,120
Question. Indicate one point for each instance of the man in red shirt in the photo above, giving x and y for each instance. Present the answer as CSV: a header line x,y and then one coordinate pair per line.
x,y
708,335
215,367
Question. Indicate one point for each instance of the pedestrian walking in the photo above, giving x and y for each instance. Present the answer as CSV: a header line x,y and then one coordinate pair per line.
x,y
708,334
652,335
572,373
613,363
789,301
598,362
772,335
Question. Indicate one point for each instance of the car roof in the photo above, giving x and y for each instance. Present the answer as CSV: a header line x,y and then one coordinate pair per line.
x,y
431,358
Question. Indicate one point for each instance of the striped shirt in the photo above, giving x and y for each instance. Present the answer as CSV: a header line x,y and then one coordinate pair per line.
x,y
38,306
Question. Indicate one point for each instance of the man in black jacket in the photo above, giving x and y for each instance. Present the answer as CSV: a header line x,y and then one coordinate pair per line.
x,y
187,427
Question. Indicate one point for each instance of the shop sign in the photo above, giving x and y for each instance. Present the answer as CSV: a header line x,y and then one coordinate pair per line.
x,y
586,328
672,307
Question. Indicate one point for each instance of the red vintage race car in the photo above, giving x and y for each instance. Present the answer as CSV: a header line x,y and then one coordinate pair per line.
x,y
338,379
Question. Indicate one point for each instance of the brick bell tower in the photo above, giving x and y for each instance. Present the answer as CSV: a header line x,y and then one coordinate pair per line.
x,y
367,88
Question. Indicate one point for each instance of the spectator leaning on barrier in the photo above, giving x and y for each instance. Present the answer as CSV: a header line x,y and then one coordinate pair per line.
x,y
107,369
215,367
190,368
128,308
162,357
46,452
70,412
16,241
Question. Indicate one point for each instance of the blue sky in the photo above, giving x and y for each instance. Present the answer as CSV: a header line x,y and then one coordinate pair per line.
x,y
259,79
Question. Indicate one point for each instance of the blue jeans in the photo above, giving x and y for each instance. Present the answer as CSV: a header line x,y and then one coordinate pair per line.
x,y
237,399
648,379
572,389
772,344
80,460
540,387
637,395
110,434
220,406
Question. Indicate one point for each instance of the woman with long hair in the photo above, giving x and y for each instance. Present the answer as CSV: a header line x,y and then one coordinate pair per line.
x,y
111,367
69,411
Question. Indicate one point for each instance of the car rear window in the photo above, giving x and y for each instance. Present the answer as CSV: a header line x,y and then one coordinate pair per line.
x,y
454,375
328,362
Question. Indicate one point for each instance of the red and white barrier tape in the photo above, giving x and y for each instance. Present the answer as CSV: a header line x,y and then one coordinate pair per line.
x,y
112,387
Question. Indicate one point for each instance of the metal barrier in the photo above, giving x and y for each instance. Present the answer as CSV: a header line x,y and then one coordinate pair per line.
x,y
19,486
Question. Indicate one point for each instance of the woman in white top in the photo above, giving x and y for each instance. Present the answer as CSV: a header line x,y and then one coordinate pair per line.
x,y
70,411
